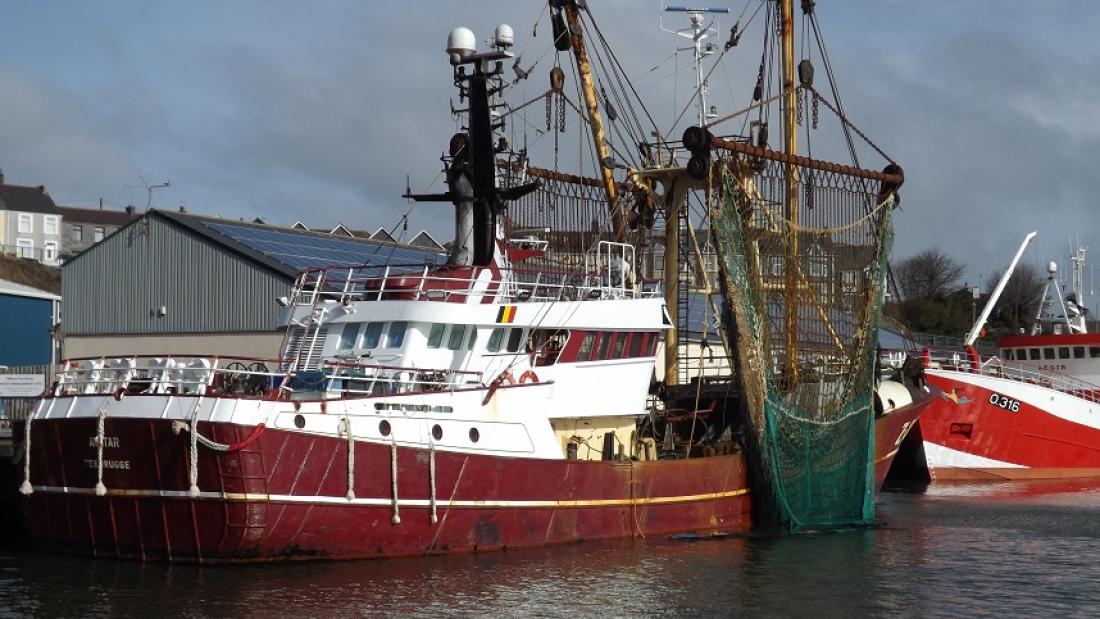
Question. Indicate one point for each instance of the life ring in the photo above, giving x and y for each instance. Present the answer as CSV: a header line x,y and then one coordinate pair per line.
x,y
528,377
505,378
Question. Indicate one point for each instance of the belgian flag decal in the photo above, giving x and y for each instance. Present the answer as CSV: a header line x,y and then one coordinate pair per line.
x,y
506,314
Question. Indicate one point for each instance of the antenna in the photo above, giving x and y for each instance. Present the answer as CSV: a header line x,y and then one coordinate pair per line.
x,y
698,33
149,190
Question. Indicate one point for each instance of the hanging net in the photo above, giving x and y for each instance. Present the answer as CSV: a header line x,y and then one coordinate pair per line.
x,y
804,278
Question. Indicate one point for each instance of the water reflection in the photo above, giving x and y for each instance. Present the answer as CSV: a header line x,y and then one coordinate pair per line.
x,y
949,550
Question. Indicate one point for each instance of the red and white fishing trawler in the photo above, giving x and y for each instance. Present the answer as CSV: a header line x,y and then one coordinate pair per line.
x,y
493,401
1032,411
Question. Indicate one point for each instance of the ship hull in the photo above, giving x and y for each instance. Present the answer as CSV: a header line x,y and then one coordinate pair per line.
x,y
284,496
989,428
891,430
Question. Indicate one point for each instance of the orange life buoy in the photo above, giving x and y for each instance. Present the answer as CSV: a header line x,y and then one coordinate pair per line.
x,y
528,377
505,378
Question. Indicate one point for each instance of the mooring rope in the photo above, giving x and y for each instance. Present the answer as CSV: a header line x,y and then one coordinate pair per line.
x,y
431,479
393,478
26,489
100,489
345,424
193,491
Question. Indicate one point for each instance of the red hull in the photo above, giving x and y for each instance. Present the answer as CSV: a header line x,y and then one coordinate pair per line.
x,y
966,437
890,431
283,497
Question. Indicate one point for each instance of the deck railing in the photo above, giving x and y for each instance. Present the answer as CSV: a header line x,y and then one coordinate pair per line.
x,y
247,377
1013,370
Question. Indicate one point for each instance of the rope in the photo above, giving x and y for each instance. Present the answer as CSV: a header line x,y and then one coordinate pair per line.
x,y
346,425
393,481
100,489
182,426
193,473
26,489
431,479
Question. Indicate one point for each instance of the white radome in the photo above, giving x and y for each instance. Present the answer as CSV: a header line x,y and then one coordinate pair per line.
x,y
504,36
461,43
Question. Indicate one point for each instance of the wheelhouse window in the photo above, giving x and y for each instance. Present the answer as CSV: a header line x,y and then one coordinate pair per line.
x,y
1063,352
605,343
1033,354
1078,352
636,344
584,353
435,336
1009,354
1094,351
620,344
372,334
349,335
396,335
496,338
458,334
1048,353
473,337
515,340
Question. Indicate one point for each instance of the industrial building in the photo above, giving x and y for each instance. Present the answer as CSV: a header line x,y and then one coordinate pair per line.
x,y
30,314
173,282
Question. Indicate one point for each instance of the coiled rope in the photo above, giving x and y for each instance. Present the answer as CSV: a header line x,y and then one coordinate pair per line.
x,y
101,422
393,479
345,426
26,489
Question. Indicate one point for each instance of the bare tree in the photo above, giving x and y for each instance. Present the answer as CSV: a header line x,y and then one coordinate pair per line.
x,y
1020,299
928,275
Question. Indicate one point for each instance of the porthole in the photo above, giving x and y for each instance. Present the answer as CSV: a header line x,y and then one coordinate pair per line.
x,y
437,432
384,427
474,435
299,421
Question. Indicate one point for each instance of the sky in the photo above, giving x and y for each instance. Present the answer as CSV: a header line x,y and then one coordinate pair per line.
x,y
318,111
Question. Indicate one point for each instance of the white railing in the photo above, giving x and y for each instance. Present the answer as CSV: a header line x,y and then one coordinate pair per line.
x,y
248,377
1013,370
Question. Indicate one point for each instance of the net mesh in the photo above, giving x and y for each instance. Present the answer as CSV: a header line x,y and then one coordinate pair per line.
x,y
804,281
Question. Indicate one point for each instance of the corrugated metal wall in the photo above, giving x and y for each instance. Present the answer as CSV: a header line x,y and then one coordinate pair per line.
x,y
119,285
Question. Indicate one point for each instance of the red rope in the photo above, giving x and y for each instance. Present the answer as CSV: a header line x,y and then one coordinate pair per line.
x,y
251,438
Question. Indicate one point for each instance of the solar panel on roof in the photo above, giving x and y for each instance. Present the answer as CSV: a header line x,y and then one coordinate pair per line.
x,y
299,250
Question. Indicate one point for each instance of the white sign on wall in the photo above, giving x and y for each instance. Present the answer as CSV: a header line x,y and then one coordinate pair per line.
x,y
22,385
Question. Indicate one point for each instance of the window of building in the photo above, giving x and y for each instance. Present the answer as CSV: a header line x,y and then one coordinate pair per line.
x,y
100,232
435,336
25,248
396,335
515,339
458,334
349,335
849,281
49,251
372,334
495,339
26,223
77,232
49,224
776,266
659,264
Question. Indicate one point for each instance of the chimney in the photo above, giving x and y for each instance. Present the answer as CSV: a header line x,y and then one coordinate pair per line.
x,y
130,210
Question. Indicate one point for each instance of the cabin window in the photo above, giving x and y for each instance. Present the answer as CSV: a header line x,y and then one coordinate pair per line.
x,y
1094,351
458,334
349,335
1078,352
605,343
372,334
1063,352
584,353
396,335
636,345
1048,353
473,337
1033,354
515,339
1009,354
495,339
435,336
620,344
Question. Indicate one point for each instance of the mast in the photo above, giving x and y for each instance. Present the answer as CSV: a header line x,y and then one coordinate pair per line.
x,y
790,146
595,121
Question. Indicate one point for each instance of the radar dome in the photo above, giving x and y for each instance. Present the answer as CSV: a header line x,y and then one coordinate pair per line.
x,y
461,43
1052,267
504,36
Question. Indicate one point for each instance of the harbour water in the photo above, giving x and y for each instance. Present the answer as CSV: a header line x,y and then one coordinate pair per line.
x,y
1002,549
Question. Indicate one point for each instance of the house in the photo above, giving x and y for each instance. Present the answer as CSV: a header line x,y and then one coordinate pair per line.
x,y
83,227
30,223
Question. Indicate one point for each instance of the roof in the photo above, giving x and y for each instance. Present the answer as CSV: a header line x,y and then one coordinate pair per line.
x,y
289,251
19,290
425,239
27,199
73,214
